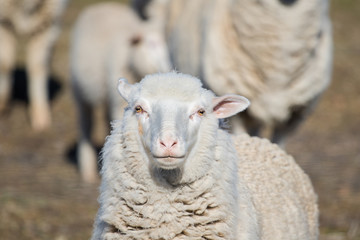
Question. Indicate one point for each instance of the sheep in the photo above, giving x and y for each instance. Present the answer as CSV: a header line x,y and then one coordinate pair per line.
x,y
276,53
108,40
39,22
170,172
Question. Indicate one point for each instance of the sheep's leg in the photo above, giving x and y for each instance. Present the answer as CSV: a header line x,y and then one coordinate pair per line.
x,y
244,123
283,130
37,63
86,154
7,63
236,125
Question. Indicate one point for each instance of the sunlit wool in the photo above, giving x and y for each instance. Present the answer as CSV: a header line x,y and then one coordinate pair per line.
x,y
227,187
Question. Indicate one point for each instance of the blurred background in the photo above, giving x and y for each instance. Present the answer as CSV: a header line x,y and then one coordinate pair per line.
x,y
43,197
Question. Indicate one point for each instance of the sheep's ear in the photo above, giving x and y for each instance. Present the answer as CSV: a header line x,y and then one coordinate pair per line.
x,y
124,88
229,105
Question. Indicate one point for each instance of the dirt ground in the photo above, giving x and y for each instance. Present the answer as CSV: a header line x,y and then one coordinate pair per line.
x,y
42,197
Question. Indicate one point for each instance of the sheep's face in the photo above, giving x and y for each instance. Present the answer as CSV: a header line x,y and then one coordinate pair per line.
x,y
150,54
173,113
168,129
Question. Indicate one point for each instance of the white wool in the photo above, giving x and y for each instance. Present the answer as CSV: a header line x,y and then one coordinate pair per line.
x,y
181,86
226,187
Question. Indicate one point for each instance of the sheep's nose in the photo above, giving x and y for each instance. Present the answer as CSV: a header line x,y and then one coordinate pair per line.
x,y
168,146
168,143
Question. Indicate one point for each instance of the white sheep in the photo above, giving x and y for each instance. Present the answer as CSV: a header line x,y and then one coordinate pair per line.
x,y
38,21
109,40
170,172
277,53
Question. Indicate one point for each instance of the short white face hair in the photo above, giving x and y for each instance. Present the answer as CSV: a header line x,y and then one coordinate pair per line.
x,y
150,53
172,111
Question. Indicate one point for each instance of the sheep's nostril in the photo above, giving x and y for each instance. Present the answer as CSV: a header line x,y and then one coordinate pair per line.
x,y
168,144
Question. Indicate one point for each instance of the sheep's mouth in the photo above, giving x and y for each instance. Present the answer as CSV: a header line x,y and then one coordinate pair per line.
x,y
169,162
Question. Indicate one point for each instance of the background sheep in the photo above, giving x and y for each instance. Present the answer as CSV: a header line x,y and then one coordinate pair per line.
x,y
109,41
276,53
38,20
169,172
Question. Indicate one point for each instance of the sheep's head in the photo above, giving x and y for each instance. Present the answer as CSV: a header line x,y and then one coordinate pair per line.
x,y
149,53
175,115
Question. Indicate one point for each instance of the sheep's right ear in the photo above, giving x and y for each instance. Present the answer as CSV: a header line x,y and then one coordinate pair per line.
x,y
124,88
229,105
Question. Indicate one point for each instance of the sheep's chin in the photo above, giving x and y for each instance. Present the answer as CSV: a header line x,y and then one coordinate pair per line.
x,y
169,163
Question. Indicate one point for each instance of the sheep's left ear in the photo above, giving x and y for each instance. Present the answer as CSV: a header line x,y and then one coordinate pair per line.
x,y
124,88
229,105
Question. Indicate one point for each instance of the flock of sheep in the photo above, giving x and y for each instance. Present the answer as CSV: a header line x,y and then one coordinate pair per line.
x,y
170,169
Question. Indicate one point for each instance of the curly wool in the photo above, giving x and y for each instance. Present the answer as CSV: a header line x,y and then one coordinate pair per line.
x,y
136,205
226,187
283,194
275,197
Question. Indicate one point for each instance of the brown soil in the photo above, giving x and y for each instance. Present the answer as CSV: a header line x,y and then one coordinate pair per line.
x,y
42,197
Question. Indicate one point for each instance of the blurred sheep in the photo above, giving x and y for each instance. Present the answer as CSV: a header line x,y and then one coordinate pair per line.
x,y
109,41
277,53
39,22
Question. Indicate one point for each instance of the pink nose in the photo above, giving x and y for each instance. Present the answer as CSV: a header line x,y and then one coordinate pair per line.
x,y
168,144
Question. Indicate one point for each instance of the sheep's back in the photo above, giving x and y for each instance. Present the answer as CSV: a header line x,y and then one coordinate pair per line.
x,y
282,193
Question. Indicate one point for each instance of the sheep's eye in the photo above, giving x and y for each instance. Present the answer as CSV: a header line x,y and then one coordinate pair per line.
x,y
201,112
138,109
